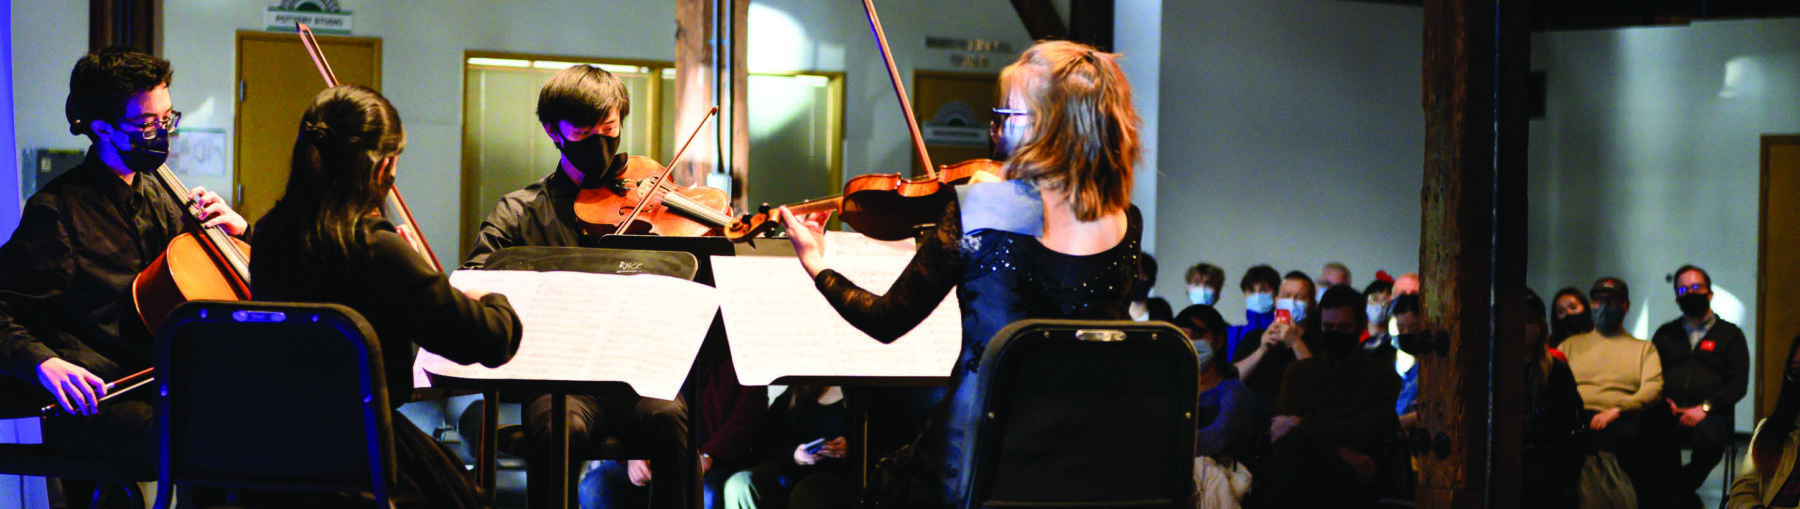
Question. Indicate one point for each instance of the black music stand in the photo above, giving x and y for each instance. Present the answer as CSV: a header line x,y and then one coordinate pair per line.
x,y
673,263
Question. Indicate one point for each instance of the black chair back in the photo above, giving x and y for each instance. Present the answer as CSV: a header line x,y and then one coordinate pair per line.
x,y
264,395
1086,414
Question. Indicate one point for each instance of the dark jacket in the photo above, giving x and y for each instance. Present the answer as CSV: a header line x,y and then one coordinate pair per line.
x,y
1716,372
65,277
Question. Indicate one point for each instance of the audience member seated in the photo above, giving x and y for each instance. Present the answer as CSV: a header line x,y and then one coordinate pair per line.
x,y
1375,337
1264,356
1569,315
1620,380
1550,463
1768,478
1258,284
1409,316
1225,434
1706,370
1205,282
1334,414
804,448
728,416
1143,306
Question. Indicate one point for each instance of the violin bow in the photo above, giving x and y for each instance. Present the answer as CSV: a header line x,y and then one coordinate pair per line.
x,y
396,203
131,381
906,108
670,170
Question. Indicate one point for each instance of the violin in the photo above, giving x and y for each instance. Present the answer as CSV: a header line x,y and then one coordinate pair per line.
x,y
886,206
641,199
882,207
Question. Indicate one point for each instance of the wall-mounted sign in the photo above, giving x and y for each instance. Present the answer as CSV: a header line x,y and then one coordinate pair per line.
x,y
197,151
323,16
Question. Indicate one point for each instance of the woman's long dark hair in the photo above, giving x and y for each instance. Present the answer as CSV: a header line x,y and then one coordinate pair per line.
x,y
336,180
1775,429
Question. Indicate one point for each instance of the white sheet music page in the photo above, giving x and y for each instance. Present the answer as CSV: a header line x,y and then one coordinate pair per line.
x,y
643,330
779,325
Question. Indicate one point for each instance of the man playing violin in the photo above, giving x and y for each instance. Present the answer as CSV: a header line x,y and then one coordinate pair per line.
x,y
67,320
582,109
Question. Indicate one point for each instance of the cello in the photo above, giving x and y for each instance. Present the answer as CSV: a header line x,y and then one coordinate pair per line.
x,y
208,264
885,206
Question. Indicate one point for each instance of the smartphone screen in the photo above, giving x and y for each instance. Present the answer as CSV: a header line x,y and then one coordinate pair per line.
x,y
815,446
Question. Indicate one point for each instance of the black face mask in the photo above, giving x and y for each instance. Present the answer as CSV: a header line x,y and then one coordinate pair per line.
x,y
146,155
1412,344
1571,325
592,156
1608,318
1338,345
1694,305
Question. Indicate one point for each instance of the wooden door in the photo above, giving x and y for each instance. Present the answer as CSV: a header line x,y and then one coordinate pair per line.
x,y
276,83
1778,262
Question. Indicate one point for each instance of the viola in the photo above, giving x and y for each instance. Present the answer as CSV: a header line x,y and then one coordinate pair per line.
x,y
641,199
669,209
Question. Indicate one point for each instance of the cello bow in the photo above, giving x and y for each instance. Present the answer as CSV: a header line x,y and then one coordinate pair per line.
x,y
396,205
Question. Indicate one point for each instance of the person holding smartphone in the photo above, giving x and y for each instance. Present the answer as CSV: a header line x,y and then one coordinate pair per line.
x,y
804,439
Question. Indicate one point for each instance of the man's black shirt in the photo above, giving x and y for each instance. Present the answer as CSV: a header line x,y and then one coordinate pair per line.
x,y
65,276
541,214
1716,370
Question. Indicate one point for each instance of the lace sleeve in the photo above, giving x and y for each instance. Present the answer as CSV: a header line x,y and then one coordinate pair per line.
x,y
933,271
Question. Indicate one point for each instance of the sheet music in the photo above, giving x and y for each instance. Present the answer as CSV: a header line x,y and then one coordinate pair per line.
x,y
780,326
644,330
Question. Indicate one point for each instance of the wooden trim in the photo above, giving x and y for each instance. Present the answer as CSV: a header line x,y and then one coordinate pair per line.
x,y
468,54
1765,401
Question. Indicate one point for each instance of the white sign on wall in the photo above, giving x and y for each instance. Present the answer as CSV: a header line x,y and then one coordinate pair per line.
x,y
323,16
197,151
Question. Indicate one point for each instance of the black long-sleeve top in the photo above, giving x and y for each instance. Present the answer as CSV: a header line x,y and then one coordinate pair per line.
x,y
1350,405
1553,413
541,214
1714,371
65,277
390,285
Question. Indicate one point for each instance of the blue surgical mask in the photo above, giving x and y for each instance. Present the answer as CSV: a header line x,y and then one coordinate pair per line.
x,y
1320,293
1374,311
1294,307
1205,351
1259,302
1202,295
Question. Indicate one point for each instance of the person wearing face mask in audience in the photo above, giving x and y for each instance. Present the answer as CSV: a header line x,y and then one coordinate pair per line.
x,y
1226,432
1409,316
1258,284
1375,337
582,109
1264,356
1143,306
1552,414
1621,382
1569,315
1706,370
1204,282
1334,412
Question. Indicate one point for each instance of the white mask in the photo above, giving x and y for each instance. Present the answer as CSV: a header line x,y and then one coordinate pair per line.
x,y
1202,295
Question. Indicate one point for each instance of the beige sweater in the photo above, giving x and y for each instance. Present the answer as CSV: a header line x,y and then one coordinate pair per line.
x,y
1620,371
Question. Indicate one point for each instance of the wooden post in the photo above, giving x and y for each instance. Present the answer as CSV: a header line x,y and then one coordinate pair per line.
x,y
1472,252
698,87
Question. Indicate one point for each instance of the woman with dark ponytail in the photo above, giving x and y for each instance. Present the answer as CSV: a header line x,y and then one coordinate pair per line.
x,y
326,241
1767,479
